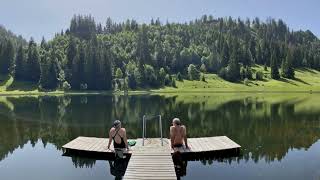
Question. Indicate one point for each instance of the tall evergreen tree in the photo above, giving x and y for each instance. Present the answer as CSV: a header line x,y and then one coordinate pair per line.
x,y
71,56
20,64
49,73
287,69
233,73
6,56
274,67
143,51
32,70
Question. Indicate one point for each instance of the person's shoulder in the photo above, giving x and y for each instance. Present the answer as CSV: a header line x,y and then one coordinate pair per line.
x,y
183,126
123,129
112,129
171,127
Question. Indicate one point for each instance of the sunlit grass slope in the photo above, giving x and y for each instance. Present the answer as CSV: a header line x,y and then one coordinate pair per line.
x,y
305,80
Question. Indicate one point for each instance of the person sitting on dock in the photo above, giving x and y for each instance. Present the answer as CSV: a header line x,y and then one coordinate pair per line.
x,y
178,134
118,135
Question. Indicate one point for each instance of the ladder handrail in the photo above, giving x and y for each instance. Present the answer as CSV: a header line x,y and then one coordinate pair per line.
x,y
144,126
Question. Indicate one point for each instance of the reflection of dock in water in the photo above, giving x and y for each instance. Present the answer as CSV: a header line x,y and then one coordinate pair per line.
x,y
151,160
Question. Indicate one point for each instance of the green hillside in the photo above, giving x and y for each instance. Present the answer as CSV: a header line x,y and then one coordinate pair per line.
x,y
305,80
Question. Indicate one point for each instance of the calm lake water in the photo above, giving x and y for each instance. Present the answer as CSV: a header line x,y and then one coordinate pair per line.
x,y
279,133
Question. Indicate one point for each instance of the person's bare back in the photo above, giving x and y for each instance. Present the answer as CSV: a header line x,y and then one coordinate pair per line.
x,y
178,134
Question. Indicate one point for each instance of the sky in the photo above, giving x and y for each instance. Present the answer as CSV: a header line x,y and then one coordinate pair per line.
x,y
43,18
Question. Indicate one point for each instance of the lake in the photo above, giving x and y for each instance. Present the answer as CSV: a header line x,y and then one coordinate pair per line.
x,y
279,133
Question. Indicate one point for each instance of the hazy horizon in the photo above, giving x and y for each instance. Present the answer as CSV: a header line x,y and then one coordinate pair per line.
x,y
44,18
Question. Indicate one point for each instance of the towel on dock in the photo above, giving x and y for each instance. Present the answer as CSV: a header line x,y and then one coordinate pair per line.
x,y
132,142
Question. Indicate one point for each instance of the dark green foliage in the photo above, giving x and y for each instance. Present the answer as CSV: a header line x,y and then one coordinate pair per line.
x,y
167,80
173,83
265,67
89,55
179,77
119,73
49,73
20,64
143,51
32,69
71,56
132,82
162,76
203,68
259,75
202,77
248,73
151,78
193,73
242,72
274,68
6,56
138,77
287,70
83,27
223,73
233,72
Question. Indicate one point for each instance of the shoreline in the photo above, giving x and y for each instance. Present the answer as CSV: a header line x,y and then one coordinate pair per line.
x,y
152,92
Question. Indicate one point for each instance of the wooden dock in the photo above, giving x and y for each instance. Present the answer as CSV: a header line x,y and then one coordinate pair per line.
x,y
196,145
152,160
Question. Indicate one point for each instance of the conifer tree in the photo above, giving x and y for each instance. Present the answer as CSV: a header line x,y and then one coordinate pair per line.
x,y
32,70
274,68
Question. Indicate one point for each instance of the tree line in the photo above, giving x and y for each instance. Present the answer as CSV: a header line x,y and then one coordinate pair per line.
x,y
129,55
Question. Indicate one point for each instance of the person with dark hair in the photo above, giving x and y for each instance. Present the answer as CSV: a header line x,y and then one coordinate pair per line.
x,y
118,135
178,134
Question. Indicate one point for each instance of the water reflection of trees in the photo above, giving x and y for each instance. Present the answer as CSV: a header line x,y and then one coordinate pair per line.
x,y
264,129
81,162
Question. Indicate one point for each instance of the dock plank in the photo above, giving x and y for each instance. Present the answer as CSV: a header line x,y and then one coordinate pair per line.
x,y
156,164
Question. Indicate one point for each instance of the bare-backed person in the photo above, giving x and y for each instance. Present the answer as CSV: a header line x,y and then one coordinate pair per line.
x,y
178,134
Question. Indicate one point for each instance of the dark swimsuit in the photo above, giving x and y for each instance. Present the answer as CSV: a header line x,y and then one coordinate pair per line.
x,y
115,144
177,145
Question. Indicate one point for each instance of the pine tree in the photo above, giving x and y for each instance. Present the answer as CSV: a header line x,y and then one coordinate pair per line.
x,y
106,71
143,51
20,64
32,70
274,67
287,70
6,57
49,73
233,73
119,74
193,73
71,55
162,76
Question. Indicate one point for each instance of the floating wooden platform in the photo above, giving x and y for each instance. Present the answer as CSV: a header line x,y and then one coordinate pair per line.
x,y
196,145
152,160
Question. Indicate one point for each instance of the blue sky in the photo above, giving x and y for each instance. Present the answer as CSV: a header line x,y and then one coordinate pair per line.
x,y
39,18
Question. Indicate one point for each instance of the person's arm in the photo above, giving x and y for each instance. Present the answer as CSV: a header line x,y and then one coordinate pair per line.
x,y
172,136
110,139
185,137
125,138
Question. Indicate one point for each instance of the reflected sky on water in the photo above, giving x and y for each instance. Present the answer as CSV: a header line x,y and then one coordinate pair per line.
x,y
279,134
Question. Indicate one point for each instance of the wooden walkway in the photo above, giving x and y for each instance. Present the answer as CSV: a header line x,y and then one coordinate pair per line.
x,y
153,161
148,162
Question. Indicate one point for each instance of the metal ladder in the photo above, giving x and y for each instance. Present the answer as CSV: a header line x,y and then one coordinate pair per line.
x,y
144,126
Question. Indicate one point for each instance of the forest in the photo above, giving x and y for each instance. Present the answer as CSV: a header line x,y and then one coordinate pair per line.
x,y
130,55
